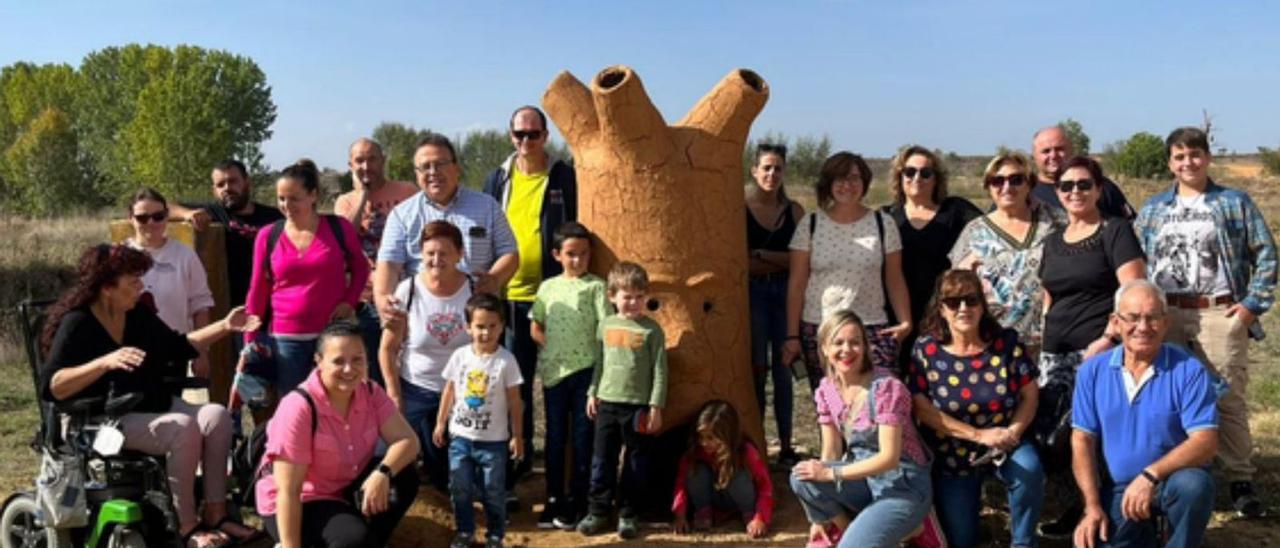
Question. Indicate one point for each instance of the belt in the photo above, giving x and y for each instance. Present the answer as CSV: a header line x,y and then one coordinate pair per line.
x,y
1198,301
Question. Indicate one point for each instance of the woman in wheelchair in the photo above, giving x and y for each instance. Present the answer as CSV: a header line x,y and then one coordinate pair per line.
x,y
321,484
99,343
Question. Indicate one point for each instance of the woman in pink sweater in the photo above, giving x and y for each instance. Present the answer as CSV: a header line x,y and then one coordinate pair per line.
x,y
306,278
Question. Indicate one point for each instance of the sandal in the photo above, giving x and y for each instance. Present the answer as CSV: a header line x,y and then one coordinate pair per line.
x,y
219,539
254,534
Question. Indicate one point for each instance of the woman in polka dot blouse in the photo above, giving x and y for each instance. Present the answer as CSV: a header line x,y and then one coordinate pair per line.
x,y
975,392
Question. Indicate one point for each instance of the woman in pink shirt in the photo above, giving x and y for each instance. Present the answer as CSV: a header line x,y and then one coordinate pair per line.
x,y
303,278
319,484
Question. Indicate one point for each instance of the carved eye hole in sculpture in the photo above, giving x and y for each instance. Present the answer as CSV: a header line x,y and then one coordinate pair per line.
x,y
653,305
707,306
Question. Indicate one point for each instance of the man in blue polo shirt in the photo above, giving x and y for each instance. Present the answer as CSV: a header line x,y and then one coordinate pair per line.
x,y
1153,408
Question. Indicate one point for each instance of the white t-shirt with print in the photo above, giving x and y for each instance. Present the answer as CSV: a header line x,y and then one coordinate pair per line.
x,y
844,266
178,283
480,386
437,326
1187,259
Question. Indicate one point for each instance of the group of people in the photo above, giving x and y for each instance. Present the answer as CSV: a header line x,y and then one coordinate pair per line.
x,y
401,336
944,345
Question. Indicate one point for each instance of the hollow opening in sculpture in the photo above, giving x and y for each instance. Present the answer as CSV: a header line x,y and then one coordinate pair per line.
x,y
751,79
612,77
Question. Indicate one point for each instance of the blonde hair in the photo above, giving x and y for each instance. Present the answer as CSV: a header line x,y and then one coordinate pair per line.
x,y
827,331
628,276
999,160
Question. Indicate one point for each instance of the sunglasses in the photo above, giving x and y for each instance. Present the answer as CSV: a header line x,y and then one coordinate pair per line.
x,y
1015,180
1083,185
970,300
910,172
157,217
531,135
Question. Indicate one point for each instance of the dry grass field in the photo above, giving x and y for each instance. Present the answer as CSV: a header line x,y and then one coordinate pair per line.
x,y
39,252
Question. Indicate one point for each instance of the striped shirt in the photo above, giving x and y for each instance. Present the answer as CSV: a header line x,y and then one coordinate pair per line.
x,y
486,235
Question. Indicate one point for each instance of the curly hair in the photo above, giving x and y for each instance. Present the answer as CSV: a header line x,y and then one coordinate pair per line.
x,y
935,163
101,266
719,420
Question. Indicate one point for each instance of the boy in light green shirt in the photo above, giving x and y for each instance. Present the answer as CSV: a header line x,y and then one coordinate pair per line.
x,y
628,391
565,316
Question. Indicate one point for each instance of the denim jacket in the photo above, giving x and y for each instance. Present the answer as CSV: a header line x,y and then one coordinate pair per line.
x,y
1250,250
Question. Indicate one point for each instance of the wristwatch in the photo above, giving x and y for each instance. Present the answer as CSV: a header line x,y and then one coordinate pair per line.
x,y
386,470
1155,482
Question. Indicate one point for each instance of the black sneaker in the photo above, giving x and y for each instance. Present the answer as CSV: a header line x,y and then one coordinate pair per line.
x,y
788,458
513,503
1063,527
1245,501
566,518
547,518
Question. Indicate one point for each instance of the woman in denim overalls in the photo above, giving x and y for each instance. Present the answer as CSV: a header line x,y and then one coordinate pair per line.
x,y
882,479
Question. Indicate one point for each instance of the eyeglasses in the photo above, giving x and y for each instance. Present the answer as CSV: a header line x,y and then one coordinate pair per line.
x,y
521,135
1015,180
910,172
1083,185
971,300
1134,319
157,217
432,166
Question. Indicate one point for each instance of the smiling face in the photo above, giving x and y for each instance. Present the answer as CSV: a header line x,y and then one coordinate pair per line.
x,y
574,256
293,198
629,302
342,363
1009,187
768,171
917,187
439,257
848,190
1190,165
527,134
437,172
1051,148
1078,202
1143,322
367,164
846,350
148,219
485,327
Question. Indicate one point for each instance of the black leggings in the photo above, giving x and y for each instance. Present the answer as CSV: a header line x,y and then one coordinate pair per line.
x,y
337,523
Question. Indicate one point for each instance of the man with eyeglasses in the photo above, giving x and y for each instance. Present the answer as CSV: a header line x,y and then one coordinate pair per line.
x,y
538,194
489,249
1211,251
1151,407
367,206
1052,149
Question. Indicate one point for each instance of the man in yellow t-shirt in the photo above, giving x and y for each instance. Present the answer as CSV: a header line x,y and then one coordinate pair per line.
x,y
538,194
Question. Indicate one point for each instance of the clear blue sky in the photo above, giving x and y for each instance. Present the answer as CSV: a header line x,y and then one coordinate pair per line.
x,y
962,76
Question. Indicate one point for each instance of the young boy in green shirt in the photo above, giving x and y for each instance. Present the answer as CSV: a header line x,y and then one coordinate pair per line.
x,y
627,393
565,315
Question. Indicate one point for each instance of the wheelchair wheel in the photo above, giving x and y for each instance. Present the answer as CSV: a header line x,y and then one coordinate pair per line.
x,y
21,527
126,537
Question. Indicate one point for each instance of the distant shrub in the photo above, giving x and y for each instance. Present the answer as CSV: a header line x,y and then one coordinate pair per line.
x,y
1142,156
1270,160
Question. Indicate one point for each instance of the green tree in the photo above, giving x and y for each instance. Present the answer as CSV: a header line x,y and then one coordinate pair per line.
x,y
40,172
1076,135
805,158
160,117
398,143
1142,156
481,152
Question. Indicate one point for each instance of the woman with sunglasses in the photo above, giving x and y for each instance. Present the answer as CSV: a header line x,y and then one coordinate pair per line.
x,y
845,256
1004,247
1084,264
176,282
975,393
771,221
929,221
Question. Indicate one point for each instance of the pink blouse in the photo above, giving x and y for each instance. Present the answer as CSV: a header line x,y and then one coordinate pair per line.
x,y
341,448
893,407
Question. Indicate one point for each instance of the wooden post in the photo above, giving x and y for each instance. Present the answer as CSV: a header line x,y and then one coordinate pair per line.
x,y
670,198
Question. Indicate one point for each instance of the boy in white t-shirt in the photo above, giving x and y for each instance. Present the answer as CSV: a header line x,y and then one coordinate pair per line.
x,y
481,400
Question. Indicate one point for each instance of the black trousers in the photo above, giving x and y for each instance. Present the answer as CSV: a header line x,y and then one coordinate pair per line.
x,y
616,429
337,523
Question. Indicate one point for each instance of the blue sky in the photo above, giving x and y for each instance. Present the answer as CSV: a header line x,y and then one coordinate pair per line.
x,y
962,76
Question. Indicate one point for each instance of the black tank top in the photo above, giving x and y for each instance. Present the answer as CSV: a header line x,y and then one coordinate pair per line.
x,y
759,237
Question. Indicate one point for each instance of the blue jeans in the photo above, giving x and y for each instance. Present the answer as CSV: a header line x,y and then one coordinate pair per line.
x,y
959,498
520,343
1185,497
881,522
739,496
294,361
567,424
420,409
478,466
768,333
371,332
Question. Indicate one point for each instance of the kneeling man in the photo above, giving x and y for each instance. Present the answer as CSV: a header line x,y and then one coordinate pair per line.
x,y
1151,405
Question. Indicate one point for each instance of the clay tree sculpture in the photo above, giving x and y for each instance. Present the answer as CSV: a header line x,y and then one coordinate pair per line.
x,y
671,199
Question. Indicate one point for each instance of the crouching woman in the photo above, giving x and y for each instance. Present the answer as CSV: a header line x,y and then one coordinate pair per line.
x,y
321,485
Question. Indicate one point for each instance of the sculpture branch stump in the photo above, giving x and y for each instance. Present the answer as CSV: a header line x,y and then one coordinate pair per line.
x,y
670,198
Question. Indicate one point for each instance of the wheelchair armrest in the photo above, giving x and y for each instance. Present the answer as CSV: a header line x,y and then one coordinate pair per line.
x,y
81,406
119,405
186,383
